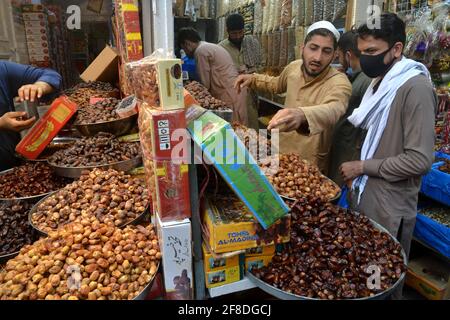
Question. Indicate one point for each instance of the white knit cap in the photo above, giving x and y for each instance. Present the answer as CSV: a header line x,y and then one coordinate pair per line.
x,y
324,25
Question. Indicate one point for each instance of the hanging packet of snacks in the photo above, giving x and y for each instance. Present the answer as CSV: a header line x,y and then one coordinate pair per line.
x,y
277,13
300,13
271,19
291,43
340,7
299,39
286,13
269,49
276,48
294,12
258,17
309,12
318,10
266,15
179,8
283,48
204,8
328,10
264,46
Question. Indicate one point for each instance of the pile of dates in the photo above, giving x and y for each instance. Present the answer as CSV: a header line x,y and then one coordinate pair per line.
x,y
258,144
204,98
332,254
102,111
295,178
82,93
105,195
446,166
15,230
29,180
84,261
102,149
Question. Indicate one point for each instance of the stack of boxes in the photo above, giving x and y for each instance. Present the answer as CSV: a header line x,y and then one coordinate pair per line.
x,y
36,30
128,36
162,126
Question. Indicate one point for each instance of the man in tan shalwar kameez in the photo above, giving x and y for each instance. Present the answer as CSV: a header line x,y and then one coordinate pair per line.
x,y
216,71
316,96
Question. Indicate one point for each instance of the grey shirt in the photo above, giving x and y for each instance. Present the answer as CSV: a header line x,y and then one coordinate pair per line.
x,y
404,154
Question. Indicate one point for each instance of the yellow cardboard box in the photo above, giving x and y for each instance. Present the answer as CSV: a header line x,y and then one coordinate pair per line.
x,y
260,251
211,263
230,226
170,79
257,262
430,277
221,277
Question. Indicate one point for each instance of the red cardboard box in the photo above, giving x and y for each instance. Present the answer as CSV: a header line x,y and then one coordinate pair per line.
x,y
46,128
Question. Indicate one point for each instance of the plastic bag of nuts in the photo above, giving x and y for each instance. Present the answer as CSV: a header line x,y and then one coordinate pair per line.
x,y
84,261
330,253
104,195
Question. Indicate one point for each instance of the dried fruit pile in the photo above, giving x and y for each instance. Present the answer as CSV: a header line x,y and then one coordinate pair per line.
x,y
258,144
30,180
204,98
102,111
102,149
109,196
83,261
296,178
331,254
15,230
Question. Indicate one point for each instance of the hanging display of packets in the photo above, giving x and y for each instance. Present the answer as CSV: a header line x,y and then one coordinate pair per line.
x,y
269,49
318,10
266,16
299,38
273,7
265,46
328,10
258,17
277,15
286,14
276,48
282,62
301,13
340,7
292,45
309,12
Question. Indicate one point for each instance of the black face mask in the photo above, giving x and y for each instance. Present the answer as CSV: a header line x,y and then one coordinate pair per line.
x,y
373,66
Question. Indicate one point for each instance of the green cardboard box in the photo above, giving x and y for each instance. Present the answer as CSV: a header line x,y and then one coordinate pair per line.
x,y
222,148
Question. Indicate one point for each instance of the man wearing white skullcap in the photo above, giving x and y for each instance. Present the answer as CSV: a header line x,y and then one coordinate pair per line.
x,y
316,96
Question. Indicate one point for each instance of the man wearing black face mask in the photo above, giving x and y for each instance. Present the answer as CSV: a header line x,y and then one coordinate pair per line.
x,y
347,140
245,51
398,112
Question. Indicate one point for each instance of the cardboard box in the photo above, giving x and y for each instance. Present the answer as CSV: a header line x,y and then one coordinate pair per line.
x,y
222,147
223,276
38,52
430,277
260,251
35,24
37,38
104,67
212,262
175,240
36,31
46,128
37,45
170,80
257,262
230,226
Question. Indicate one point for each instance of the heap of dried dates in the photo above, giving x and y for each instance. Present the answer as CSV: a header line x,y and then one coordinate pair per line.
x,y
102,111
83,261
15,230
105,195
204,98
102,149
295,178
257,143
30,180
332,254
82,93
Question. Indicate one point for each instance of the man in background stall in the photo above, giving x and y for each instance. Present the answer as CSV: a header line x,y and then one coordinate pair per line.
x,y
216,71
347,140
316,96
28,83
398,110
245,51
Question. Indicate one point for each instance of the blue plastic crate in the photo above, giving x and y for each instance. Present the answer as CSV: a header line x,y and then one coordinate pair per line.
x,y
433,234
